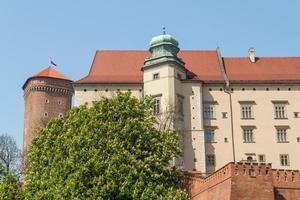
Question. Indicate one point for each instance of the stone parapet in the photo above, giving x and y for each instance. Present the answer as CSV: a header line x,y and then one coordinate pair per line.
x,y
244,180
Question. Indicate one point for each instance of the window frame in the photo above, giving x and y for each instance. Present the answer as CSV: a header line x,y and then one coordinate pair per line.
x,y
211,112
248,137
263,156
211,160
210,131
247,111
286,161
280,109
155,76
282,135
156,106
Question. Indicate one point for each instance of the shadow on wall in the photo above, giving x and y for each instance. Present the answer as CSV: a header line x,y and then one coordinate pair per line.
x,y
210,158
279,196
210,135
189,146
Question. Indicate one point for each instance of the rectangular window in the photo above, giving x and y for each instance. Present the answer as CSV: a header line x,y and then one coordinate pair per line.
x,y
247,111
261,158
156,106
210,160
281,135
248,135
280,110
155,76
208,111
284,160
209,134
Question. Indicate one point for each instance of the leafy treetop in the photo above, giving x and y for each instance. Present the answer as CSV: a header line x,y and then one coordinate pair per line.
x,y
109,151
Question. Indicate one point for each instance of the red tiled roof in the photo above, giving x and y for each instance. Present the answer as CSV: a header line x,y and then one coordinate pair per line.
x,y
125,66
50,72
264,69
122,66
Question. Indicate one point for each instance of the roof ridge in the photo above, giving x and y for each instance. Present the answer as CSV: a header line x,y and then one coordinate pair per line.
x,y
51,73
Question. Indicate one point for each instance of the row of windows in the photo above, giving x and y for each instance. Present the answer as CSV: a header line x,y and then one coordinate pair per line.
x,y
157,105
59,115
283,159
156,76
248,135
281,135
106,90
280,111
254,89
48,101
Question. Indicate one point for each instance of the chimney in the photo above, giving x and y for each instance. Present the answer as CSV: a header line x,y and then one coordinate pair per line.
x,y
251,53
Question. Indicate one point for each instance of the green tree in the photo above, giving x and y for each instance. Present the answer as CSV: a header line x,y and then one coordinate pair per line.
x,y
8,187
109,151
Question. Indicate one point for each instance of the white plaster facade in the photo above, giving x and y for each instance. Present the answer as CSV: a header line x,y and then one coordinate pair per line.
x,y
228,143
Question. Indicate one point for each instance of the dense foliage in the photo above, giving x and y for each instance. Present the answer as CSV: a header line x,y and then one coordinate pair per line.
x,y
109,151
8,187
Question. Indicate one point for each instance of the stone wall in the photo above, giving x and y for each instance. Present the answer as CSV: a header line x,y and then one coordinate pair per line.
x,y
243,181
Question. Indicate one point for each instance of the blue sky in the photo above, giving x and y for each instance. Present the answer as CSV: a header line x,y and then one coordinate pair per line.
x,y
71,31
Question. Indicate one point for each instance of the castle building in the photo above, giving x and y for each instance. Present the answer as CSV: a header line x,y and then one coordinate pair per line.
x,y
47,95
225,109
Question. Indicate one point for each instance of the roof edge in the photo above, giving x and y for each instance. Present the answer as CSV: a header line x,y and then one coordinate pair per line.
x,y
37,77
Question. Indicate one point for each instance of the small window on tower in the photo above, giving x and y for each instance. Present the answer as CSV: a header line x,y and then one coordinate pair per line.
x,y
155,76
60,115
261,158
45,114
224,115
46,100
156,106
59,102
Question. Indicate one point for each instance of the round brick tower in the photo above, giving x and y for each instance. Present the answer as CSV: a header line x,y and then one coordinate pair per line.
x,y
47,95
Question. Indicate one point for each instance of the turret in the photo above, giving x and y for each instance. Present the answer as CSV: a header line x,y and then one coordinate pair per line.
x,y
47,95
163,72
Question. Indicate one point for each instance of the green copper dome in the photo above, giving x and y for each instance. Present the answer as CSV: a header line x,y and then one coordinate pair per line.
x,y
163,48
163,39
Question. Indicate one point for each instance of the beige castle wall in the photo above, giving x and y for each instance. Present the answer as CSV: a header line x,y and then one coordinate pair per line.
x,y
192,123
265,135
93,92
169,88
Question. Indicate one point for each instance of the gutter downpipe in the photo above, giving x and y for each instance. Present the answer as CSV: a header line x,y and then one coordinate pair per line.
x,y
227,91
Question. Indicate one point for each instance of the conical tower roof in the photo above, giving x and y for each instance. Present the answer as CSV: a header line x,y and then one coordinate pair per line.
x,y
49,72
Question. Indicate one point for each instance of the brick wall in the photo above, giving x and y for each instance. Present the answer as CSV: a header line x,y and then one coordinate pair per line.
x,y
286,184
45,98
243,181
